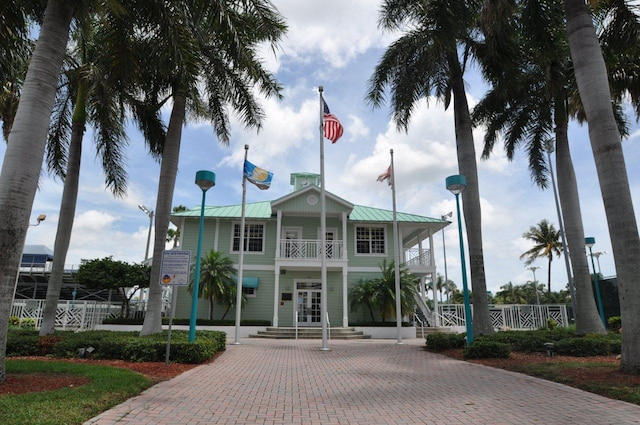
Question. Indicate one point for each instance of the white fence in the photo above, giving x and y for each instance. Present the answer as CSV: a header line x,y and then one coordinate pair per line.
x,y
70,315
512,316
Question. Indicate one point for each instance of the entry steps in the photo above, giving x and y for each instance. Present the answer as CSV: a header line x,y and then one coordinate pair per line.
x,y
310,333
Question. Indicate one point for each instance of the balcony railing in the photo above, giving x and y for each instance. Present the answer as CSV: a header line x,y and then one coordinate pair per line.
x,y
304,249
413,258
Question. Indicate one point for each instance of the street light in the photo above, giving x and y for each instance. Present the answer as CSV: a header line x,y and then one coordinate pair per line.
x,y
589,242
444,253
148,212
456,184
39,220
597,254
205,181
535,284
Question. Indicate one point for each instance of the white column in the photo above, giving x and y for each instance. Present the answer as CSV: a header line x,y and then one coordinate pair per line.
x,y
345,273
276,292
278,232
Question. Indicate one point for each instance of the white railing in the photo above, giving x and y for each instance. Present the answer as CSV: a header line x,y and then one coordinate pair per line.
x,y
70,315
511,316
308,249
413,257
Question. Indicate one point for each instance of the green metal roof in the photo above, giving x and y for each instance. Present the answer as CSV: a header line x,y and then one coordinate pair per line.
x,y
369,214
252,210
263,210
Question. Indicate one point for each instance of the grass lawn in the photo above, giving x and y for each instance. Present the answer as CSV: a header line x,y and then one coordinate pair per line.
x,y
106,387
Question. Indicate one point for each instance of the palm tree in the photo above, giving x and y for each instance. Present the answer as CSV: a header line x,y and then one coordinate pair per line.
x,y
173,235
591,77
363,295
385,294
216,281
25,151
213,47
510,294
528,105
87,94
430,59
546,243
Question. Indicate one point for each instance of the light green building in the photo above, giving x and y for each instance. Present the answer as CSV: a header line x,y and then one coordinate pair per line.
x,y
282,266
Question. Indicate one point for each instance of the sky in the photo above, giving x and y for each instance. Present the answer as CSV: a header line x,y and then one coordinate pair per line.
x,y
337,44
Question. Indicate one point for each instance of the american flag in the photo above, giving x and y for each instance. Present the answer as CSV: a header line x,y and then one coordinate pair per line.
x,y
385,176
332,128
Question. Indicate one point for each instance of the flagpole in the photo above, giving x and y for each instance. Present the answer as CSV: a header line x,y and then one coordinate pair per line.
x,y
323,234
241,247
396,245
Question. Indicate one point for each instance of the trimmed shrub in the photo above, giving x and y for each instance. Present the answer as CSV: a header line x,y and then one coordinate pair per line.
x,y
444,341
589,345
485,349
128,346
614,324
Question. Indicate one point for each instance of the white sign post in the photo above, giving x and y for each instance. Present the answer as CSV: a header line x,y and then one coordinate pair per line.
x,y
174,272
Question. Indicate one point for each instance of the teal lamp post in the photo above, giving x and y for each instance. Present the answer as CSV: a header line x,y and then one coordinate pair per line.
x,y
590,242
456,184
205,181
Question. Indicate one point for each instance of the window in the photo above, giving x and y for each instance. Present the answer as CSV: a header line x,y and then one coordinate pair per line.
x,y
370,240
249,292
253,238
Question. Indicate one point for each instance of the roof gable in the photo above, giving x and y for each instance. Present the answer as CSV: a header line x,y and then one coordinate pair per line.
x,y
307,200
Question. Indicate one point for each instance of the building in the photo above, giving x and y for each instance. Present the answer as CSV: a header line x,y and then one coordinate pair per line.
x,y
282,265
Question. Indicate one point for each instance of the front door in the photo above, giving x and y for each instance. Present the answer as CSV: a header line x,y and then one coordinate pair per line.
x,y
309,295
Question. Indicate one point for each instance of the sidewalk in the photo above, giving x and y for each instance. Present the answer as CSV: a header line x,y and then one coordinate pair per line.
x,y
358,382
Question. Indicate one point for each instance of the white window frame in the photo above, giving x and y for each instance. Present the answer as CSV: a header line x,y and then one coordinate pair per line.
x,y
370,254
248,223
250,292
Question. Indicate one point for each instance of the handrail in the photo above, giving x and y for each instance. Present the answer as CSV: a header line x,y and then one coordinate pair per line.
x,y
416,317
302,249
296,324
328,328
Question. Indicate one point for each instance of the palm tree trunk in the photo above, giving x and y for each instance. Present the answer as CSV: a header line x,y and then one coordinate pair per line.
x,y
23,157
587,318
166,183
593,85
67,215
471,206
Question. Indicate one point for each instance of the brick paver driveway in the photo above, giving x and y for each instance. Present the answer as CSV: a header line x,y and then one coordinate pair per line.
x,y
360,382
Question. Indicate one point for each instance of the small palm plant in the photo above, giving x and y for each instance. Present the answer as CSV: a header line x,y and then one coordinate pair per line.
x,y
217,282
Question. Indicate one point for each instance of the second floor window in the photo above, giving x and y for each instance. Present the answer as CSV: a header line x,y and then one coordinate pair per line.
x,y
253,238
370,240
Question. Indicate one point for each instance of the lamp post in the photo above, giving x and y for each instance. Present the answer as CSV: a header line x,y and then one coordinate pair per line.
x,y
205,181
456,184
535,282
148,212
597,254
589,242
39,219
444,254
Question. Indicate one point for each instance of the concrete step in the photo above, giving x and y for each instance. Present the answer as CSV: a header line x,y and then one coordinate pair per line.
x,y
309,333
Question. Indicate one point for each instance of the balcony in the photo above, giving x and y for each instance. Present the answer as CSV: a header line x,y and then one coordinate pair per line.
x,y
418,263
309,249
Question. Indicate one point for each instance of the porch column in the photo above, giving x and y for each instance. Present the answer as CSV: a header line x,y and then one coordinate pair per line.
x,y
345,273
278,232
276,292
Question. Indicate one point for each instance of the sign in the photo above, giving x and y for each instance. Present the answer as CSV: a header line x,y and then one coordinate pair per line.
x,y
175,268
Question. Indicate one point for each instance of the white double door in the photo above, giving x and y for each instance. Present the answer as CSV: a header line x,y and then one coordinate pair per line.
x,y
308,300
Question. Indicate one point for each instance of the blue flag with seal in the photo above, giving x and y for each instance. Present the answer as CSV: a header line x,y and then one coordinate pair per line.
x,y
258,176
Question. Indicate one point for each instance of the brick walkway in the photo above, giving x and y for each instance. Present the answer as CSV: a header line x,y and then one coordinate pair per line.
x,y
360,382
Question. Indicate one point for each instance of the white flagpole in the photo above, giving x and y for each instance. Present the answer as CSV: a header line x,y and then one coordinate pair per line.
x,y
241,247
323,233
396,247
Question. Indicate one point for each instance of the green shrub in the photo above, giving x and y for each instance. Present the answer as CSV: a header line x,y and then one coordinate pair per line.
x,y
551,324
485,349
589,345
14,321
444,341
614,323
127,346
